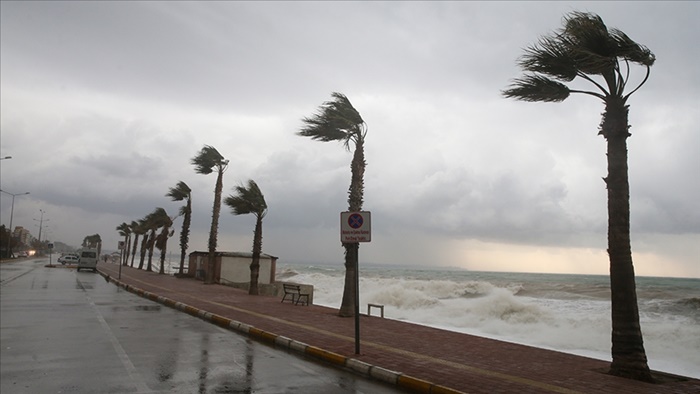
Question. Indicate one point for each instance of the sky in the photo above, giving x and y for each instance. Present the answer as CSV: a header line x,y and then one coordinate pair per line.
x,y
103,104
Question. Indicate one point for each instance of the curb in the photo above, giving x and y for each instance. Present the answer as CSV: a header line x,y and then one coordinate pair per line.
x,y
359,367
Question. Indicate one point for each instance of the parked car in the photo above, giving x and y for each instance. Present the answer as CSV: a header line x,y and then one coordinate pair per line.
x,y
68,259
22,254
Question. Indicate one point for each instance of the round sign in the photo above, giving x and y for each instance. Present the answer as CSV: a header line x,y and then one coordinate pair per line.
x,y
355,220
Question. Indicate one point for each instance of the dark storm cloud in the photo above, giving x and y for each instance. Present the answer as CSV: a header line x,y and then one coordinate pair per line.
x,y
104,104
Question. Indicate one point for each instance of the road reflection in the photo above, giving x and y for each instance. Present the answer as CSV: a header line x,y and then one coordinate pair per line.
x,y
103,339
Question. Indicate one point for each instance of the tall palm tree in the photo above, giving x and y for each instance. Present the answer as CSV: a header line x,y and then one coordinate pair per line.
x,y
587,49
250,200
338,120
179,193
125,231
207,161
137,231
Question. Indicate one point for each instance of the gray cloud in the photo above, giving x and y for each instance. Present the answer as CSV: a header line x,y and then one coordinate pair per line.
x,y
104,104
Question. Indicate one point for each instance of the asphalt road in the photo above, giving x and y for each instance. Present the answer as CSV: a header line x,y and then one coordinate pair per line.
x,y
67,332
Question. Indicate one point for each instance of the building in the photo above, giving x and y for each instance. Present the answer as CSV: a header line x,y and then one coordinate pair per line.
x,y
22,235
232,268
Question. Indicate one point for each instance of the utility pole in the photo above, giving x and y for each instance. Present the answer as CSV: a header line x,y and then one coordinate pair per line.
x,y
41,224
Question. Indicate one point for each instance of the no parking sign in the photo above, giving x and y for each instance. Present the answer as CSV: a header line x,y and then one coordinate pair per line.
x,y
355,227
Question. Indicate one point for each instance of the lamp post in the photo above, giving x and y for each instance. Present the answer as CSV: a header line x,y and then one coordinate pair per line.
x,y
12,212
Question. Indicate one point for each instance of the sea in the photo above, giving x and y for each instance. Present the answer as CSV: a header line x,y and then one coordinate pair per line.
x,y
566,313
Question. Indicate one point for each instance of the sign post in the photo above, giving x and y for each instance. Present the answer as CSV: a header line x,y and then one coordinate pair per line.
x,y
356,227
50,249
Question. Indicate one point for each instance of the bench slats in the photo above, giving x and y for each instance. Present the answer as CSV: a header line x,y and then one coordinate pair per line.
x,y
296,296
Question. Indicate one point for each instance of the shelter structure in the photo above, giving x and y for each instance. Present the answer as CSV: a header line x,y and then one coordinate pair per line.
x,y
232,268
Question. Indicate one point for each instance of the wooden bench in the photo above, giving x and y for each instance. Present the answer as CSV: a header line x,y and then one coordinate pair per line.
x,y
295,294
378,306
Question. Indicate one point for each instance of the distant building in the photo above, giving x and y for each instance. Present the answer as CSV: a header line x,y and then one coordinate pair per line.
x,y
22,235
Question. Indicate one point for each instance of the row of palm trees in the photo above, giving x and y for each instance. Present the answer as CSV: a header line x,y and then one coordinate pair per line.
x,y
584,48
247,199
147,227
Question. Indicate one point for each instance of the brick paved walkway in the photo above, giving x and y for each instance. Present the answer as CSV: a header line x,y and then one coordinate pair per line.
x,y
418,358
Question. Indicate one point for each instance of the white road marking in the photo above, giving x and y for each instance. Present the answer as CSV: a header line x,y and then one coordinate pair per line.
x,y
134,376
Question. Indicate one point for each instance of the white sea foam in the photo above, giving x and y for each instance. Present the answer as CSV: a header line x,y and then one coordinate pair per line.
x,y
565,313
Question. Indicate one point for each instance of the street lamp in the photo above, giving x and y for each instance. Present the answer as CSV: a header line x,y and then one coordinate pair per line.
x,y
12,212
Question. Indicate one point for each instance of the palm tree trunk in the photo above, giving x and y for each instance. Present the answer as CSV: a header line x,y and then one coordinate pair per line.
x,y
357,177
133,250
185,234
213,232
347,306
125,256
151,245
352,251
257,250
164,244
142,252
122,255
628,356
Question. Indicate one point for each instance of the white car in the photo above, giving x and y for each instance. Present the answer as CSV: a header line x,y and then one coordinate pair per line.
x,y
68,259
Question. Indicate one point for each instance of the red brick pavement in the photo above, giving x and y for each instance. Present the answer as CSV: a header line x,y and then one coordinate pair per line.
x,y
415,357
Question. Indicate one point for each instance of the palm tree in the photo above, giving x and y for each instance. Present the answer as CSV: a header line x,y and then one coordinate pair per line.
x,y
250,200
587,49
137,231
207,161
179,193
162,238
338,120
93,241
125,231
155,220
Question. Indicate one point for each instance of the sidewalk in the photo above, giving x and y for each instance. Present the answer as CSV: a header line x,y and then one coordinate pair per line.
x,y
417,358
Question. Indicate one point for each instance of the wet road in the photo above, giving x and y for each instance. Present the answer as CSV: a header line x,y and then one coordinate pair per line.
x,y
67,332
